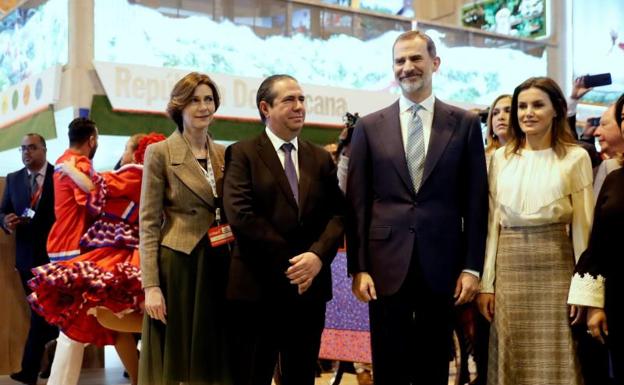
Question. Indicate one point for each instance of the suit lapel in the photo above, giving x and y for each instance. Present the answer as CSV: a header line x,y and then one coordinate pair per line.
x,y
306,170
48,184
390,137
22,198
267,153
26,180
187,169
442,129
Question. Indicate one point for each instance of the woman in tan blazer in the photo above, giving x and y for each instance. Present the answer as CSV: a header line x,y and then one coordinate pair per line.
x,y
182,274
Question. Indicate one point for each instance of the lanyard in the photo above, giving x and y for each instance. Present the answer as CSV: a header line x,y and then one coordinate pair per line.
x,y
34,199
210,177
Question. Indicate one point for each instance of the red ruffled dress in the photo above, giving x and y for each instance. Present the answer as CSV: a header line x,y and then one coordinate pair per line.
x,y
108,275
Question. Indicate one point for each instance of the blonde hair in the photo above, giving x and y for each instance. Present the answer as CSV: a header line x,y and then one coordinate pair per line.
x,y
493,142
134,141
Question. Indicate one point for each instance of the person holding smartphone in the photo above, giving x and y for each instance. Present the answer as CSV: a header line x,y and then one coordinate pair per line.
x,y
27,210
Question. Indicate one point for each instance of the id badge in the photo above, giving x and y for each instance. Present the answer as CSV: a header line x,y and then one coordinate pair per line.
x,y
28,213
220,235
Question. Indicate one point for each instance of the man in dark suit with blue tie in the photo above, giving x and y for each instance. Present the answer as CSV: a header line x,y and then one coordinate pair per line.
x,y
416,227
282,200
28,211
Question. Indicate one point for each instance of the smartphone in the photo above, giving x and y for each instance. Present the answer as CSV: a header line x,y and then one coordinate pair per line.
x,y
593,122
596,80
23,220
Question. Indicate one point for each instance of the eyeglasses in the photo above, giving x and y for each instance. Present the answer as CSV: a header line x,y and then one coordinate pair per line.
x,y
29,148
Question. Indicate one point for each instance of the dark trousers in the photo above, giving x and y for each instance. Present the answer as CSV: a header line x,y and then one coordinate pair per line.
x,y
39,334
263,335
593,356
411,334
615,321
481,346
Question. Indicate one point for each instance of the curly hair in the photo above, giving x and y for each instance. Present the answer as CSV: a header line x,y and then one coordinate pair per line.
x,y
153,137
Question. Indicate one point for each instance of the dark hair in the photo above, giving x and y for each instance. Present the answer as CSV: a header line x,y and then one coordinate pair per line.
x,y
266,92
410,35
493,142
618,110
561,134
183,92
41,138
619,104
80,130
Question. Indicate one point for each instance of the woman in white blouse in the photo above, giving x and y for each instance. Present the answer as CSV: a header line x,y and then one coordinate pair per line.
x,y
541,206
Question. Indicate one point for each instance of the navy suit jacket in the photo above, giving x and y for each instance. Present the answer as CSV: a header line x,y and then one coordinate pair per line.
x,y
446,220
270,227
30,238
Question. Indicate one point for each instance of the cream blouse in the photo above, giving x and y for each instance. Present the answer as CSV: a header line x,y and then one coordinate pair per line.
x,y
536,188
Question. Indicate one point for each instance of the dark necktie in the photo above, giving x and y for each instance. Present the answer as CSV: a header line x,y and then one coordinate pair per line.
x,y
289,168
415,148
34,186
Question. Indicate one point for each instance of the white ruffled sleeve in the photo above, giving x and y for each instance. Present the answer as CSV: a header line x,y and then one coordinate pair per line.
x,y
580,179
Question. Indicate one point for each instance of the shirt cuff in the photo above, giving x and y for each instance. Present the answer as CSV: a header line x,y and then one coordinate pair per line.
x,y
473,272
586,290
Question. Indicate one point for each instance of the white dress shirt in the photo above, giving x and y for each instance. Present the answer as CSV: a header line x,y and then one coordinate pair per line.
x,y
277,144
426,116
42,173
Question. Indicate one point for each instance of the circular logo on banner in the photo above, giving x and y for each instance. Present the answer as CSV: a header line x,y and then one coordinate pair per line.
x,y
38,89
15,100
26,95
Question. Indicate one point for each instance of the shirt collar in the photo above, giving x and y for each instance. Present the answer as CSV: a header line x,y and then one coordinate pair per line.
x,y
277,142
41,171
427,104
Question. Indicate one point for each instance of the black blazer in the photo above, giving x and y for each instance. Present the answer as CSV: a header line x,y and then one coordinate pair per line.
x,y
30,238
446,220
269,226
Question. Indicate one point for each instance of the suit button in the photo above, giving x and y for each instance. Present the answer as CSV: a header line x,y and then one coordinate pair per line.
x,y
412,229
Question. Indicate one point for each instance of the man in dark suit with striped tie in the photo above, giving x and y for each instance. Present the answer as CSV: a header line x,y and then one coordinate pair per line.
x,y
282,200
28,211
416,229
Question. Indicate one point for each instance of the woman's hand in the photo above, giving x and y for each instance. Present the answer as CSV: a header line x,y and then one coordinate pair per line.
x,y
597,323
67,166
576,314
155,304
485,302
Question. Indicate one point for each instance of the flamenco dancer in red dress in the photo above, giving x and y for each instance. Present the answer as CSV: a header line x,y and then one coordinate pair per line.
x,y
97,297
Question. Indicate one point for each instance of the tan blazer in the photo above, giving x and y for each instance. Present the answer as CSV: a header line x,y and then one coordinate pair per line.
x,y
177,204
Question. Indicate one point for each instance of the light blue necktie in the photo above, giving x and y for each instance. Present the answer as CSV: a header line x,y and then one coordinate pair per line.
x,y
289,168
415,148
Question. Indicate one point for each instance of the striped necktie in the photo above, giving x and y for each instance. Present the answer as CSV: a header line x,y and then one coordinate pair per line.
x,y
415,149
